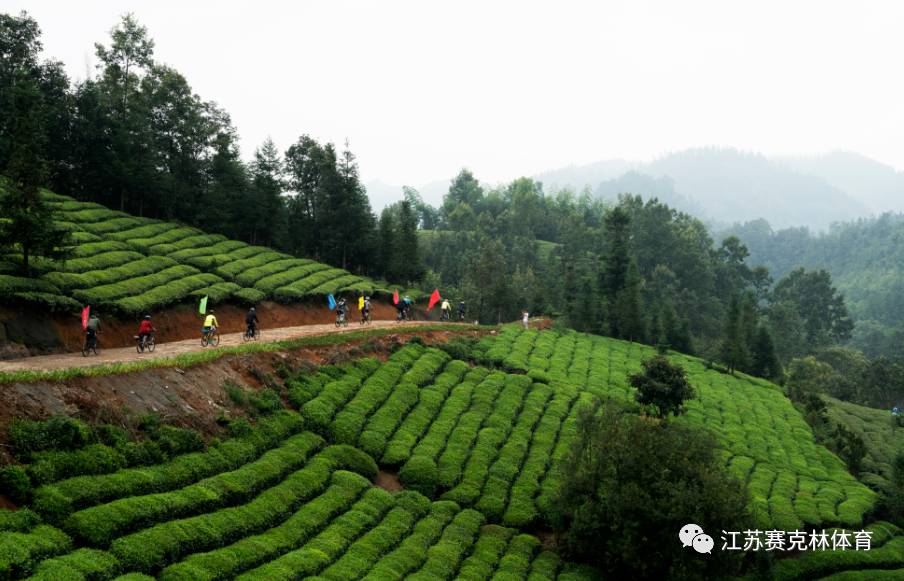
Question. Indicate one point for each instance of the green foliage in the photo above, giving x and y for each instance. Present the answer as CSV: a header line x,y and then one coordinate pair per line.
x,y
624,520
15,483
58,433
662,385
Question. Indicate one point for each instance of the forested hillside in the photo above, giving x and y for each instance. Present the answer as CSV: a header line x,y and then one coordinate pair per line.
x,y
866,260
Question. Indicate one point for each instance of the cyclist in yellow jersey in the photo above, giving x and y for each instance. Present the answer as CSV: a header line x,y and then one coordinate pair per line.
x,y
210,323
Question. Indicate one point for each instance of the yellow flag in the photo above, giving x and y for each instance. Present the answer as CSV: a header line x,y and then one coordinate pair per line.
x,y
361,303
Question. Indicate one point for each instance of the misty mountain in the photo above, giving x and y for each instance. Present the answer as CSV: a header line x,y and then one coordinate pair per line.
x,y
724,185
876,184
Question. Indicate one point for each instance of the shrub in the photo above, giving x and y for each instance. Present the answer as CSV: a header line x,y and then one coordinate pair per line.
x,y
14,483
420,474
174,441
58,433
47,467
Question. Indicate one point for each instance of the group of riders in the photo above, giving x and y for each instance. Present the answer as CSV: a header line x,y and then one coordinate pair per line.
x,y
146,329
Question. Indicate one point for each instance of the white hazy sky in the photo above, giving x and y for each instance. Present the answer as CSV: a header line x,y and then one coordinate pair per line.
x,y
421,89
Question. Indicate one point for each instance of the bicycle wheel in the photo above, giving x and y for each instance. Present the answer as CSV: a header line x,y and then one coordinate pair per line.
x,y
246,336
152,344
139,347
85,350
257,334
215,340
204,340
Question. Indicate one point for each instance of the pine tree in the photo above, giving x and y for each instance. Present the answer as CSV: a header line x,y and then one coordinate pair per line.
x,y
764,361
409,265
614,272
267,213
629,320
386,246
733,351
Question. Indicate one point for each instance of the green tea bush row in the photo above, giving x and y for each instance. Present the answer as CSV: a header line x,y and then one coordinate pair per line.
x,y
444,557
886,552
348,422
90,215
134,286
474,446
98,525
94,248
270,283
252,275
18,521
142,231
78,236
199,240
552,481
28,437
49,467
70,281
103,261
411,553
320,410
517,357
430,401
249,295
218,292
508,465
488,549
145,243
17,284
256,258
456,449
160,545
60,499
333,285
522,510
79,565
20,552
305,287
331,543
221,248
113,226
345,489
171,292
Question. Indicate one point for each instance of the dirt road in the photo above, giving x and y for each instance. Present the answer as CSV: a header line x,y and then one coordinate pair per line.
x,y
164,350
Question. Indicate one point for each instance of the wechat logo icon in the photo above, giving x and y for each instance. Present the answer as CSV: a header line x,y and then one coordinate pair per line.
x,y
692,535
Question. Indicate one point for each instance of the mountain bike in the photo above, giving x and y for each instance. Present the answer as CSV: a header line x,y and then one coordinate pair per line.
x,y
341,320
90,346
211,337
444,316
365,317
145,343
251,334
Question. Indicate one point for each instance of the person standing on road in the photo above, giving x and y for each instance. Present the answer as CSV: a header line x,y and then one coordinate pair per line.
x,y
525,318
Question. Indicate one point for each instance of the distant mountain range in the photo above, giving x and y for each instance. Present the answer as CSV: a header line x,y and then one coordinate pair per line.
x,y
725,185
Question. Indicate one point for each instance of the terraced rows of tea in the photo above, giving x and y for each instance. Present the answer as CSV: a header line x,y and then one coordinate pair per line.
x,y
277,502
793,481
134,265
476,439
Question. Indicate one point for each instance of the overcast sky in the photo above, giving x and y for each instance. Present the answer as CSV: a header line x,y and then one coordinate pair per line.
x,y
421,89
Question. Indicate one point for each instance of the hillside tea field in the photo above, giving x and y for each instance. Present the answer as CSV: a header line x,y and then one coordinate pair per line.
x,y
793,481
476,434
135,265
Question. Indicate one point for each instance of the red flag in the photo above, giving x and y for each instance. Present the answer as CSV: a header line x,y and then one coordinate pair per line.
x,y
85,312
395,297
434,298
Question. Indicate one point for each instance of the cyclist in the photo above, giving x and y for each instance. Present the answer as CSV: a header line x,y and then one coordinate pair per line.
x,y
340,311
210,324
92,329
145,329
251,321
407,301
365,312
400,311
461,310
446,310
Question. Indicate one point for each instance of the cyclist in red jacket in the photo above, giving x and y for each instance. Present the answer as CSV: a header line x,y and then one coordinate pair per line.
x,y
145,329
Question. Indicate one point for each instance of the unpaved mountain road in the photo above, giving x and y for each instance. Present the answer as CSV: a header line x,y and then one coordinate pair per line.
x,y
168,350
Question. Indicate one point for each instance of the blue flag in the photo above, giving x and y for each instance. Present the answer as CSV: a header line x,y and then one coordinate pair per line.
x,y
332,301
